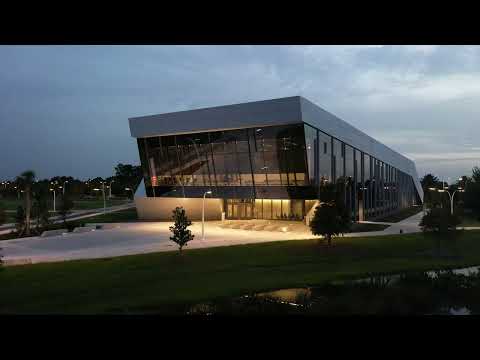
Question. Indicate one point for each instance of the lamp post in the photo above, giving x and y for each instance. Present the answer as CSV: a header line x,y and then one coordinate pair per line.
x,y
129,189
450,195
64,185
203,214
53,190
103,193
110,193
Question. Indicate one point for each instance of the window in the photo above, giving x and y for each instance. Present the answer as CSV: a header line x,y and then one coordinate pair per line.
x,y
325,159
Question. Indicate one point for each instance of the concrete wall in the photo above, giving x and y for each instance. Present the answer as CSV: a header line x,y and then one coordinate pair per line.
x,y
150,208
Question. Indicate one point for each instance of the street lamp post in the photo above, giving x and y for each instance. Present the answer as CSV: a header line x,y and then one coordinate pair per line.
x,y
129,189
103,193
64,185
54,200
450,195
110,193
203,214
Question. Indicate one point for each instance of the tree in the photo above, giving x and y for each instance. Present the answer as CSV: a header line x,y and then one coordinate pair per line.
x,y
26,180
439,220
472,191
429,181
40,209
127,175
20,220
181,235
128,171
65,206
476,174
331,217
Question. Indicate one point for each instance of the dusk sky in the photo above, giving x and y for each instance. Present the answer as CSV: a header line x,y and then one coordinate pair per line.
x,y
64,109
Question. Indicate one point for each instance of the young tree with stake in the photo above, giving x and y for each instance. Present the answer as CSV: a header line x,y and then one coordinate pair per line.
x,y
181,235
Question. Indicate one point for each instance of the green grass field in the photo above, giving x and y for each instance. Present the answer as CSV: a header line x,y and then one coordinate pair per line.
x,y
95,204
127,215
468,221
12,204
152,282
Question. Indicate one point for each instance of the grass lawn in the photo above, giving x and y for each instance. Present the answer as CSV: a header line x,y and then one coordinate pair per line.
x,y
401,215
127,215
12,204
153,282
470,221
10,218
95,204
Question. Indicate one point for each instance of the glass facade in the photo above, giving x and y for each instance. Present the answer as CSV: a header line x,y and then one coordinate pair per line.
x,y
271,172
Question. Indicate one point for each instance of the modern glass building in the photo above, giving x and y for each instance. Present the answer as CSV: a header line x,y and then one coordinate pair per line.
x,y
266,160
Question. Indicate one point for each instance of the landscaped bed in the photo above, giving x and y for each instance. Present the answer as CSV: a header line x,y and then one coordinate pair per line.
x,y
148,283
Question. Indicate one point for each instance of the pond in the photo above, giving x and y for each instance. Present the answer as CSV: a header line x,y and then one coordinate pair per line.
x,y
450,292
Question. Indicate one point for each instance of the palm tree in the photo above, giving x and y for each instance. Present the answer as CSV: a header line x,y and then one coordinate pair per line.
x,y
26,179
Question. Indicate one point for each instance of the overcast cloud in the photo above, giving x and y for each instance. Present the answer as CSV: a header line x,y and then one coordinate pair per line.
x,y
64,109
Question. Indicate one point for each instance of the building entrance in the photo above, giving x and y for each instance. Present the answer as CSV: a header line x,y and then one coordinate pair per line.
x,y
240,209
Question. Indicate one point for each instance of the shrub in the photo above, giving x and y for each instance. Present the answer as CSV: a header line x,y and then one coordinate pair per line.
x,y
329,220
439,220
20,220
65,206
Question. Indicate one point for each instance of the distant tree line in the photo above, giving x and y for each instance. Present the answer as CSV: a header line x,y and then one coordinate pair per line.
x,y
126,176
468,200
33,212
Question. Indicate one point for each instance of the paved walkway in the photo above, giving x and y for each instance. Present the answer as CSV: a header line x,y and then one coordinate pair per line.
x,y
145,237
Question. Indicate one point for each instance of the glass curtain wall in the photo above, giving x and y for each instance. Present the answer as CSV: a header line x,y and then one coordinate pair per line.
x,y
251,168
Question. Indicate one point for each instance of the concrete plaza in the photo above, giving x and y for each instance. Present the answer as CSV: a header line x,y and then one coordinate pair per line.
x,y
144,237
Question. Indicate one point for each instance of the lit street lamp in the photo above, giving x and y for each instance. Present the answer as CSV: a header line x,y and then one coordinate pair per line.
x,y
64,187
53,190
203,214
129,189
103,192
450,195
110,192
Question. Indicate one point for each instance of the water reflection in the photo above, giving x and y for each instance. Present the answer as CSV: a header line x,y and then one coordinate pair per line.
x,y
449,292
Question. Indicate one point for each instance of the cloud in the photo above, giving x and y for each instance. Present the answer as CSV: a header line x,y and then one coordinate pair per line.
x,y
419,100
420,49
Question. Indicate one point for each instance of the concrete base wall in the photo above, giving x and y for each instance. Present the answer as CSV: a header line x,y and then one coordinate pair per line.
x,y
158,208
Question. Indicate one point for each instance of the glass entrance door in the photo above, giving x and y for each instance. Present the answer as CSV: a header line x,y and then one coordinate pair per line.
x,y
239,209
